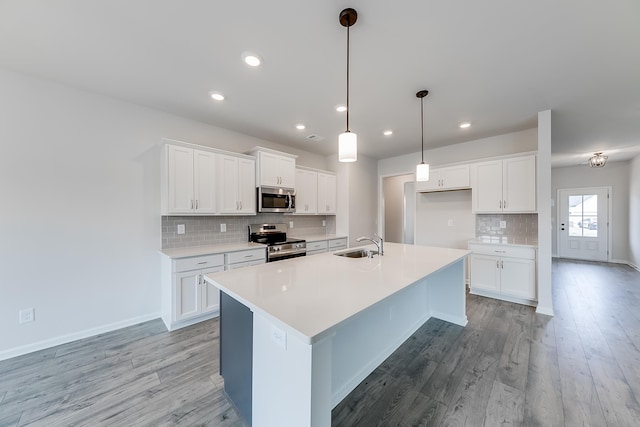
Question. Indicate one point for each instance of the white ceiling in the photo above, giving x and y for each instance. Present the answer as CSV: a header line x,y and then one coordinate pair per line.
x,y
494,63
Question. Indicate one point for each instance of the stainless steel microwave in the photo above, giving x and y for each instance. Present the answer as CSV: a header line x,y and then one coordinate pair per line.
x,y
271,199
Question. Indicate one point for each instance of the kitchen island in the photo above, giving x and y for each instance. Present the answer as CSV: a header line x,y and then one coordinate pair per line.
x,y
319,325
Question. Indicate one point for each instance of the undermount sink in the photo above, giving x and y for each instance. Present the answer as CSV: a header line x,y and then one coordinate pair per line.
x,y
356,253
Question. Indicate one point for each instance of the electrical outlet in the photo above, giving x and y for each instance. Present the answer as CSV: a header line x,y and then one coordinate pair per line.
x,y
26,315
223,228
503,224
279,337
324,223
290,224
181,229
450,223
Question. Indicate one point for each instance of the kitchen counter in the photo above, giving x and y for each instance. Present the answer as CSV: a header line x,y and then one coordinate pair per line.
x,y
319,325
506,240
177,253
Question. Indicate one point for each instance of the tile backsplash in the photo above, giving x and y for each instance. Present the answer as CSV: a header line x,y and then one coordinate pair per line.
x,y
203,231
518,225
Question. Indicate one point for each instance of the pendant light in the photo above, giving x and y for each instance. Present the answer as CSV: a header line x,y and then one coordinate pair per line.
x,y
422,170
348,141
598,160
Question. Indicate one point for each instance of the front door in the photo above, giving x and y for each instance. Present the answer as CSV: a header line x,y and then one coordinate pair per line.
x,y
583,223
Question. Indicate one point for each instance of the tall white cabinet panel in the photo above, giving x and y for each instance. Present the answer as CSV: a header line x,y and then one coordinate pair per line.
x,y
275,168
180,191
326,194
204,181
306,192
236,189
519,184
188,185
507,185
187,295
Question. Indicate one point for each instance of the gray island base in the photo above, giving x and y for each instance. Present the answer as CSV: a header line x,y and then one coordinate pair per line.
x,y
317,326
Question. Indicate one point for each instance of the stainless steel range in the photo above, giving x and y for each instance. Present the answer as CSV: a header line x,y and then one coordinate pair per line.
x,y
279,247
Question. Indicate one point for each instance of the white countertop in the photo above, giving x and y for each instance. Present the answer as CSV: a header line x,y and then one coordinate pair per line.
x,y
311,295
209,250
506,240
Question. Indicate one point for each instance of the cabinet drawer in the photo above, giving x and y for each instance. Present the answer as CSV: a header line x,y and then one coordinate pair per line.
x,y
243,256
198,262
315,246
244,264
522,252
337,244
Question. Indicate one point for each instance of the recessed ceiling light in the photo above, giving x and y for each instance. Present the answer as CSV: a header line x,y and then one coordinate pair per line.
x,y
251,59
465,125
217,96
387,132
300,126
341,108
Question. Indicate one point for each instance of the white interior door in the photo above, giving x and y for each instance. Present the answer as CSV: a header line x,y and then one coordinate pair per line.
x,y
583,223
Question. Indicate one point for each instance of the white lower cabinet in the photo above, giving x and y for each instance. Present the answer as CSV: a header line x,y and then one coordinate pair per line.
x,y
186,297
319,247
337,244
504,272
239,259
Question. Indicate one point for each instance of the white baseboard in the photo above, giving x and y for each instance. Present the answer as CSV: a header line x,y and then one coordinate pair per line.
x,y
632,265
544,310
63,339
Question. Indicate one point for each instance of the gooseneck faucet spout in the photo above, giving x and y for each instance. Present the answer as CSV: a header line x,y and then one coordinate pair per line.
x,y
379,242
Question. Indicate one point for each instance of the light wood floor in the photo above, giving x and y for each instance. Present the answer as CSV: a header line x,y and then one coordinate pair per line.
x,y
509,366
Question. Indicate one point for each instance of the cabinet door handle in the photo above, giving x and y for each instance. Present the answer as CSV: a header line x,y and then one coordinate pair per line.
x,y
497,264
203,262
248,256
240,204
196,204
504,204
191,204
500,252
500,204
502,264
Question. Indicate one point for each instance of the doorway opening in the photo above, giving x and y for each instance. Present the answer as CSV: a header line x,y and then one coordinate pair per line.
x,y
398,208
583,223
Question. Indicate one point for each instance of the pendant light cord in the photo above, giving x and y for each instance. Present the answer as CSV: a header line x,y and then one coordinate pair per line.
x,y
422,125
349,25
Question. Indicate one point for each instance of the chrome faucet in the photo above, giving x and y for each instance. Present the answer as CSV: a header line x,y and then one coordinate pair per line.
x,y
379,243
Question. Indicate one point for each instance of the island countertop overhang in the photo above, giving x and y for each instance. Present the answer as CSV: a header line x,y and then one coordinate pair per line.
x,y
312,295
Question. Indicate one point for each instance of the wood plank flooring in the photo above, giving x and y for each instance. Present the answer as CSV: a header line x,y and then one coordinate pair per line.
x,y
509,366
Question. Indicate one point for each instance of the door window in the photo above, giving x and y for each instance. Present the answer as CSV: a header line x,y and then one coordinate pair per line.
x,y
583,215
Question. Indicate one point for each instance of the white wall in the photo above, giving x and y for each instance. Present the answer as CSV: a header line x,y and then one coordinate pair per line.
x,y
362,196
433,213
511,143
634,212
614,174
80,191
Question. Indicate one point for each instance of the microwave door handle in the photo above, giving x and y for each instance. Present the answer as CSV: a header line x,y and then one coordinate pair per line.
x,y
288,200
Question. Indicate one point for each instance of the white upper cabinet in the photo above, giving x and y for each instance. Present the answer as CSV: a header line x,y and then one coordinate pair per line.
x,y
236,189
326,194
274,168
188,185
447,178
507,185
306,192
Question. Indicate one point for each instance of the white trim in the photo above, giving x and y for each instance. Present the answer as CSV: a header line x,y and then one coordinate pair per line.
x,y
63,339
635,267
169,141
548,311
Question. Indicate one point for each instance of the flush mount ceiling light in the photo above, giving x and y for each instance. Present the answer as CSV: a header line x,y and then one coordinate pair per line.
x,y
348,141
341,108
387,133
217,96
465,125
598,160
300,126
251,59
422,170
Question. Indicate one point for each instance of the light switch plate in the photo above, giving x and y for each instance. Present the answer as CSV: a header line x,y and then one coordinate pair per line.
x,y
223,228
503,224
181,229
450,223
290,224
324,223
